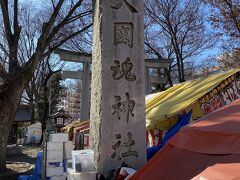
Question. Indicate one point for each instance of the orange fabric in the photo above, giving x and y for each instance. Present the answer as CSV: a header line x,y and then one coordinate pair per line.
x,y
220,172
121,177
173,163
207,148
216,133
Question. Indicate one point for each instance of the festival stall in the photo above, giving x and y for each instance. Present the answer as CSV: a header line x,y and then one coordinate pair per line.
x,y
85,130
202,96
206,149
82,127
69,128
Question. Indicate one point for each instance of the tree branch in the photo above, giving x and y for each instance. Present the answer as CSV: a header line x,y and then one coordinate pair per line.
x,y
155,52
65,40
6,20
17,29
54,15
4,75
64,21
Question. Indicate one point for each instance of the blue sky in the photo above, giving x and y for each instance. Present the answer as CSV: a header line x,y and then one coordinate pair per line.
x,y
34,2
215,51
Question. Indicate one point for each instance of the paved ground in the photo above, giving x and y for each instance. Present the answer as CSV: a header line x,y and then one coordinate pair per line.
x,y
21,163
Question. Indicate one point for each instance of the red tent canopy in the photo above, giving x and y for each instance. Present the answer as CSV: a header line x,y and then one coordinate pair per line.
x,y
206,149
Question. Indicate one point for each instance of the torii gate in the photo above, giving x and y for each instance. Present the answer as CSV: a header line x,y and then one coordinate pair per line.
x,y
85,75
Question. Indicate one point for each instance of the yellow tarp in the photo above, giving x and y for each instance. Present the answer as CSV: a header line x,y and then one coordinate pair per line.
x,y
162,109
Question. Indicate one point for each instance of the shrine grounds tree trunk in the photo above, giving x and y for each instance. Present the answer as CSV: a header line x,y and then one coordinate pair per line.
x,y
16,72
8,106
43,108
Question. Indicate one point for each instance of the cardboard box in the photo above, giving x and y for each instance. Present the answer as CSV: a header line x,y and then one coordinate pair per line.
x,y
58,137
55,156
51,164
52,146
72,175
67,150
58,178
54,171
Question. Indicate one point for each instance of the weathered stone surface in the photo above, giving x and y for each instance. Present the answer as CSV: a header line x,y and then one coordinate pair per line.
x,y
118,85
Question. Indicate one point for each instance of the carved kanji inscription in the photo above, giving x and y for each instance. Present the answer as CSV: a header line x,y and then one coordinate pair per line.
x,y
116,4
125,69
123,33
123,106
123,150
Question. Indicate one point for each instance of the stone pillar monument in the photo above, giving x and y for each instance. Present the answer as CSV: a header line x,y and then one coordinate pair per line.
x,y
118,86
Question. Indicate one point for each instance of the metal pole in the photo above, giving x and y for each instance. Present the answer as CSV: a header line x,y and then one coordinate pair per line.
x,y
44,158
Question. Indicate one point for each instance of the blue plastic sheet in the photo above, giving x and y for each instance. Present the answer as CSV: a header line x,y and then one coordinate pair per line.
x,y
22,177
37,173
182,121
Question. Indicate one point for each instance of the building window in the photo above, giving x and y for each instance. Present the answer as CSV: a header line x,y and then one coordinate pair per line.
x,y
59,121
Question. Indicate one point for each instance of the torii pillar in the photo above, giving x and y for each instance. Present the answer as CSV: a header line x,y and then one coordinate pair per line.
x,y
85,94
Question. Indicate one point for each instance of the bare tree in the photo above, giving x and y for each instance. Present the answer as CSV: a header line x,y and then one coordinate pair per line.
x,y
225,19
229,59
225,16
37,90
16,73
176,29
